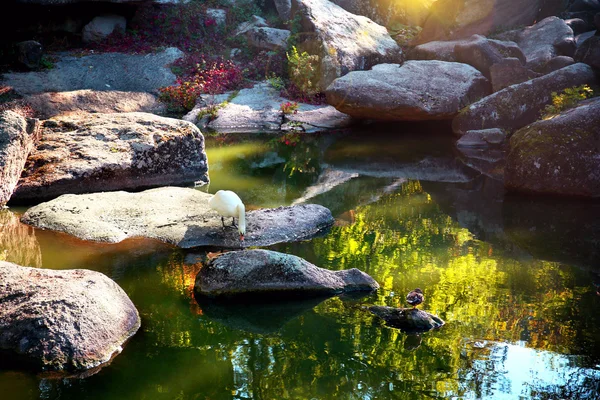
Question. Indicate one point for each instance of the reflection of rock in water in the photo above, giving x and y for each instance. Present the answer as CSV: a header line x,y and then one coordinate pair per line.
x,y
256,317
412,341
561,230
18,243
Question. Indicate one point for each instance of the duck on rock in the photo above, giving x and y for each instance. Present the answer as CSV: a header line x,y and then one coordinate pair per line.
x,y
228,204
415,297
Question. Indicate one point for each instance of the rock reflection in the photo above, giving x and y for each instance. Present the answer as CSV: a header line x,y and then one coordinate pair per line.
x,y
18,243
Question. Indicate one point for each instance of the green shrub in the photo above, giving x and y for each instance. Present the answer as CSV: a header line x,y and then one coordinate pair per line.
x,y
566,100
303,71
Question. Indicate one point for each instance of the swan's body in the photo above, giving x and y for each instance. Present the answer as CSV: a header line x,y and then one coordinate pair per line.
x,y
415,297
228,204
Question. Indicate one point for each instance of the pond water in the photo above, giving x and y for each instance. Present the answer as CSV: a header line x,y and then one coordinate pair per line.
x,y
514,279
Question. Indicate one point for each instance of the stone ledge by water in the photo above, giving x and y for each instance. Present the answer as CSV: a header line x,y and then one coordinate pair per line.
x,y
179,216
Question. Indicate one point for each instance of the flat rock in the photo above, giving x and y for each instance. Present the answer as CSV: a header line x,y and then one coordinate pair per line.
x,y
269,273
48,105
343,41
407,319
179,216
99,152
416,90
558,156
268,38
66,320
17,139
258,109
108,71
521,104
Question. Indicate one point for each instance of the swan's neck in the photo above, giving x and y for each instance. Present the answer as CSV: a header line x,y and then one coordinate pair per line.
x,y
242,219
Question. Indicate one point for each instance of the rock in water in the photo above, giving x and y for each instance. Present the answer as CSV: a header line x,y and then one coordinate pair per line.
x,y
558,156
179,216
265,272
407,319
68,320
414,91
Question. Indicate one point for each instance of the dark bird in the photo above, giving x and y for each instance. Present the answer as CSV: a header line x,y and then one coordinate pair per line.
x,y
415,297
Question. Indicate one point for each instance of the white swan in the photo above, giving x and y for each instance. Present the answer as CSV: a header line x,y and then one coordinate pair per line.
x,y
228,204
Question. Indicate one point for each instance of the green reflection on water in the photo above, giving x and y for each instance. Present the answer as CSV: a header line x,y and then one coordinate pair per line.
x,y
517,325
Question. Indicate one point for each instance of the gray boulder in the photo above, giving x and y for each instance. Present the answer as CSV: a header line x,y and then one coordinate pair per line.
x,y
343,41
454,19
557,63
483,53
179,216
218,15
284,9
543,41
29,53
482,138
17,139
99,152
518,105
509,71
102,26
558,156
69,320
416,90
589,52
268,38
407,319
109,71
269,273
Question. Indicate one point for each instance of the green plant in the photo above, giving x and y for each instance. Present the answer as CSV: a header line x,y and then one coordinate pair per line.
x,y
46,63
567,99
304,71
289,107
276,82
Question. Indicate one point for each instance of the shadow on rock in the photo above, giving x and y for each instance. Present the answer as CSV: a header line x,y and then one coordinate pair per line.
x,y
560,230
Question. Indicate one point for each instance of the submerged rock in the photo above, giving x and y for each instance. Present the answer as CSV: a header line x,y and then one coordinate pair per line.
x,y
559,156
179,216
68,320
269,273
407,319
414,91
101,152
17,139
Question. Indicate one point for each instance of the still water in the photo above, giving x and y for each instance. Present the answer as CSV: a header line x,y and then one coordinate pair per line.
x,y
514,279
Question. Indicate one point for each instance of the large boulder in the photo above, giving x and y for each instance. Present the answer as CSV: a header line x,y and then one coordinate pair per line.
x,y
453,19
269,273
545,40
68,320
388,12
416,90
179,216
407,319
100,152
268,38
102,26
17,139
518,105
508,72
109,71
343,41
472,50
559,156
589,52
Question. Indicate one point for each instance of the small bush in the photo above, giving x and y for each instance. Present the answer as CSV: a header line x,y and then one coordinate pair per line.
x,y
566,100
289,107
303,71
